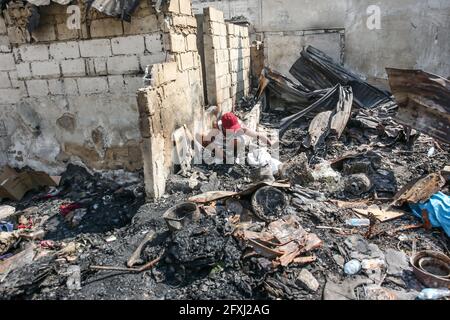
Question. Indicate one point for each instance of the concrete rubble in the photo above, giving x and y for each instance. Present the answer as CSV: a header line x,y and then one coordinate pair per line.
x,y
110,188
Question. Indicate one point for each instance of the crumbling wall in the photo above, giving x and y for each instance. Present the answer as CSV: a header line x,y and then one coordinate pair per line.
x,y
174,97
70,96
250,9
227,60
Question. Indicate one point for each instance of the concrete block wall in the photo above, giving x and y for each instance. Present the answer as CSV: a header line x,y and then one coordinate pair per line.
x,y
10,88
174,97
227,60
71,96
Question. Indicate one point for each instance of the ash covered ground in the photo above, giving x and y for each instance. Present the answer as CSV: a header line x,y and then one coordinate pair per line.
x,y
205,260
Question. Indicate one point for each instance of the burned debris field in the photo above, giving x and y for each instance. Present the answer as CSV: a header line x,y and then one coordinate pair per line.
x,y
347,198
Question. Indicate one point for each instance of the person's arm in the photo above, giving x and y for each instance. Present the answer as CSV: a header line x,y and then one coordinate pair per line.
x,y
254,134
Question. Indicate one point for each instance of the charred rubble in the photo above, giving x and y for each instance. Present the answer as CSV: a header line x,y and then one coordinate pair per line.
x,y
221,233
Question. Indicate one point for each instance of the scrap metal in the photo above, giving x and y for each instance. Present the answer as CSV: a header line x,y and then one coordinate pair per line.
x,y
424,101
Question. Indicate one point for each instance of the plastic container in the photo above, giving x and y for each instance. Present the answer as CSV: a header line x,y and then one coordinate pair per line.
x,y
433,294
358,222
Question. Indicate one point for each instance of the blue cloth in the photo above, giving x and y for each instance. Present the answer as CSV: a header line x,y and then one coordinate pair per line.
x,y
438,208
6,226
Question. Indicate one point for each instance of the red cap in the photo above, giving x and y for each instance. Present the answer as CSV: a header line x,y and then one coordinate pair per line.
x,y
230,122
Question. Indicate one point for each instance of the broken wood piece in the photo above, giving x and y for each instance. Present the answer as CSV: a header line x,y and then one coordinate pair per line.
x,y
145,267
420,190
305,260
383,215
136,256
342,112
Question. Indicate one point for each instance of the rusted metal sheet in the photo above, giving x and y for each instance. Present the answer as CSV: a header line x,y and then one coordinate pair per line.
x,y
315,70
424,101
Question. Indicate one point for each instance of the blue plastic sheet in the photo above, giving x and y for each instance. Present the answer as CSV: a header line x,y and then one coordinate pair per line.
x,y
438,208
6,226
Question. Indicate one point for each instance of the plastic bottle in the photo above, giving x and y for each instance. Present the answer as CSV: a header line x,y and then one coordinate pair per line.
x,y
358,222
433,294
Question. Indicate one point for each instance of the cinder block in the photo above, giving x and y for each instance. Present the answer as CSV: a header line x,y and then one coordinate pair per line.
x,y
191,22
95,48
7,62
234,78
45,32
73,68
2,26
223,42
197,62
10,96
92,85
230,29
185,7
222,69
4,80
234,54
177,42
128,45
179,21
213,14
123,65
64,50
215,28
116,84
150,59
224,81
96,66
45,69
222,56
141,25
100,66
56,86
223,29
23,70
64,33
234,66
191,42
15,82
70,86
37,88
174,6
170,71
133,84
34,52
187,61
245,32
5,46
108,27
153,42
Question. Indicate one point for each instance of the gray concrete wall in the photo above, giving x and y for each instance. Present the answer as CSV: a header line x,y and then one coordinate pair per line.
x,y
71,95
413,34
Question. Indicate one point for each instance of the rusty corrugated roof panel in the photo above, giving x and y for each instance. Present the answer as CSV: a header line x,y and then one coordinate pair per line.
x,y
424,101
